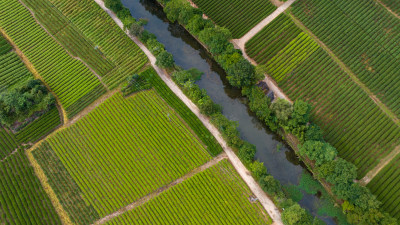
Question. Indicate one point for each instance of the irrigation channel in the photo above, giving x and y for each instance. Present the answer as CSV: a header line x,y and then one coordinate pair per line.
x,y
280,160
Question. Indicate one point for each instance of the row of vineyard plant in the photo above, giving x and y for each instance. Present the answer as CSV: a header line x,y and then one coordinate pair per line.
x,y
215,196
386,187
70,79
98,28
22,198
365,36
351,121
184,112
125,149
392,5
236,15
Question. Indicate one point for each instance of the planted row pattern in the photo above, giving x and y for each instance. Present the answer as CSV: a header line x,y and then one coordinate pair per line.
x,y
236,15
68,78
22,198
351,121
393,5
190,118
386,187
215,196
127,148
99,28
365,36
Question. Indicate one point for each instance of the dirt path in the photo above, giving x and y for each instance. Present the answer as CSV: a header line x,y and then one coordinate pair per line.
x,y
383,162
353,76
156,193
242,41
388,9
242,170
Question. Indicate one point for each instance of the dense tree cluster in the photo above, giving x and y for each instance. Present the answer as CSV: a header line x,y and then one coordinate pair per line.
x,y
21,102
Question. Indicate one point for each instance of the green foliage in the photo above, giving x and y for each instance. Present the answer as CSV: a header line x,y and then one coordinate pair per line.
x,y
309,184
338,172
314,133
241,74
295,215
155,47
319,152
165,60
114,5
134,84
247,152
282,110
197,24
299,118
184,76
293,192
270,185
258,169
20,103
228,129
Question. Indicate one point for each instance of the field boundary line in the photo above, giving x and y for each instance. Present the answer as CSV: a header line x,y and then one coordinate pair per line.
x,y
159,191
36,75
350,73
65,220
55,39
265,201
388,9
382,164
257,28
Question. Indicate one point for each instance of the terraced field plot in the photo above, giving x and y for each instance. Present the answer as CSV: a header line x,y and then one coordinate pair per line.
x,y
88,23
386,187
351,121
71,80
22,198
236,15
215,196
12,73
365,36
125,149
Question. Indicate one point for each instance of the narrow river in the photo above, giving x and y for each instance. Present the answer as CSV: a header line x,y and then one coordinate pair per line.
x,y
188,53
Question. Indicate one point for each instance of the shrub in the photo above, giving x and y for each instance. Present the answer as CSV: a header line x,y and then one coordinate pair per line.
x,y
165,60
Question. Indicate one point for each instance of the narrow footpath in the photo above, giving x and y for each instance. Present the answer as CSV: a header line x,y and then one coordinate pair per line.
x,y
267,203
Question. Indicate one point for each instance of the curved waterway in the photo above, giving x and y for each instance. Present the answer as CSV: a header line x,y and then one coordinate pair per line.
x,y
188,53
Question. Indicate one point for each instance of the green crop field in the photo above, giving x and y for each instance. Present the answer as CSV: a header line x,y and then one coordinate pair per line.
x,y
99,29
184,112
22,198
365,36
236,15
71,80
215,196
351,121
12,73
125,149
386,187
392,5
93,36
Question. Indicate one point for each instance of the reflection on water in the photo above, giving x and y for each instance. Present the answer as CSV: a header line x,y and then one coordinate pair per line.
x,y
188,53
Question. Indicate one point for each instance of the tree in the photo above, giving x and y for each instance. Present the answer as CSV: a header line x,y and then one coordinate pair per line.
x,y
258,169
184,76
208,107
338,171
155,47
295,215
247,152
313,133
197,24
241,74
136,29
320,152
282,110
114,5
165,60
270,185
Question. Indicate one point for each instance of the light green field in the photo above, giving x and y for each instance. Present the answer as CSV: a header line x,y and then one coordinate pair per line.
x,y
215,196
127,148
